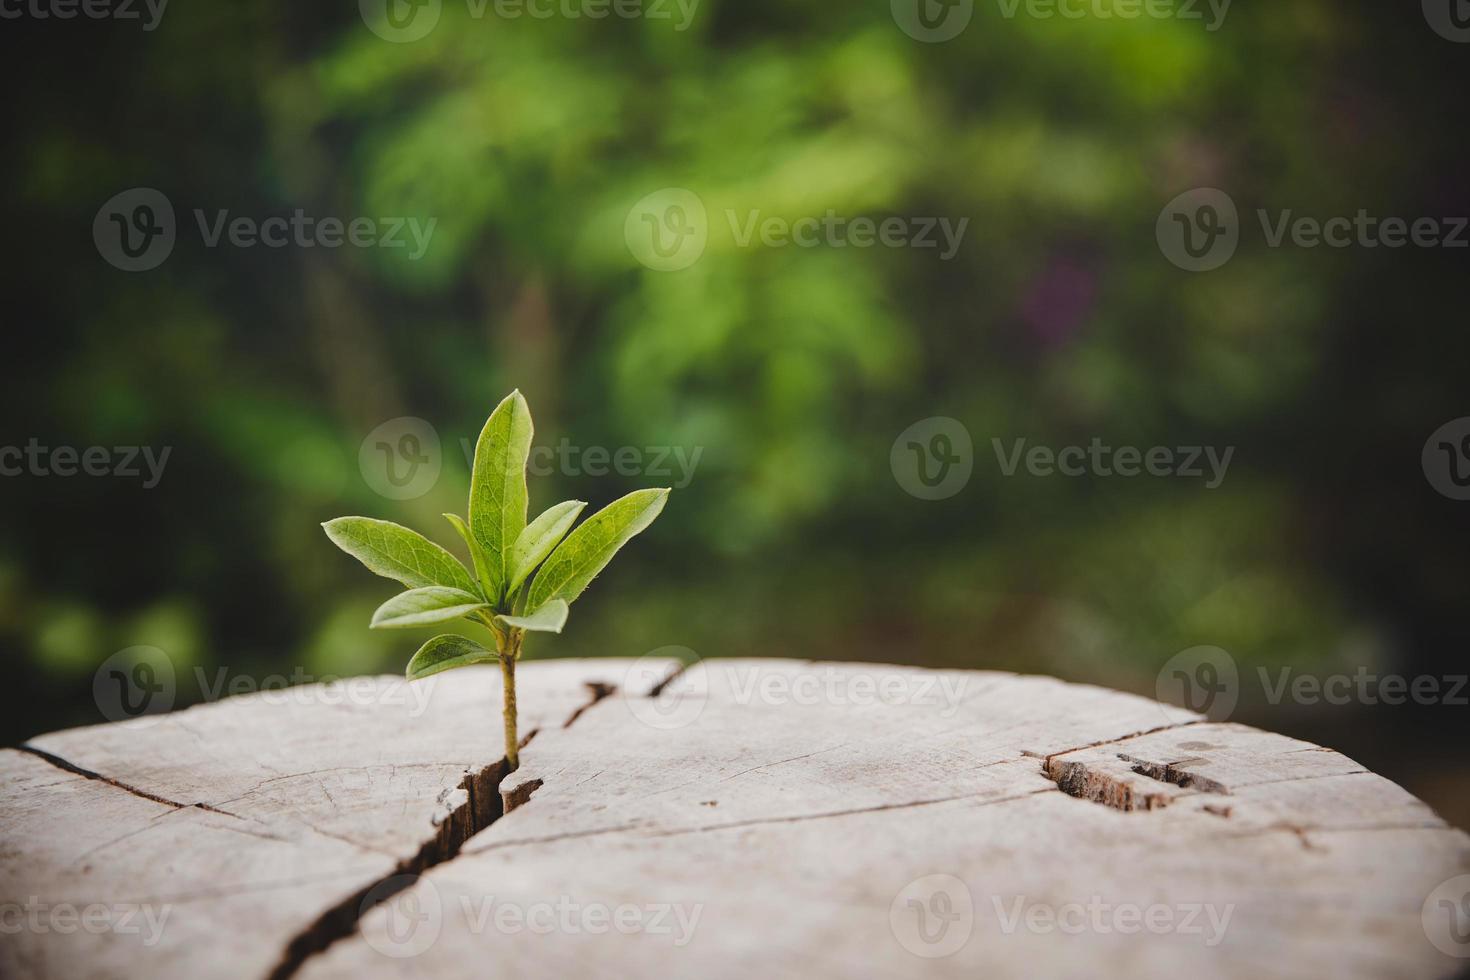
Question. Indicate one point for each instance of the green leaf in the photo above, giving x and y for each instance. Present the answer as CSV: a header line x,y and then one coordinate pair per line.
x,y
446,653
477,555
539,538
550,618
589,548
498,487
395,552
424,607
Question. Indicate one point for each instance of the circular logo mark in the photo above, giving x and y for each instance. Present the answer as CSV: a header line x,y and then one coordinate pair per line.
x,y
400,459
134,683
933,459
933,916
679,702
400,21
134,231
407,917
1203,679
1449,18
1446,459
667,230
1446,917
1199,230
932,21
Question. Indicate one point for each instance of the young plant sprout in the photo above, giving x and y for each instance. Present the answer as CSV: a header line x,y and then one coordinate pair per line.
x,y
506,593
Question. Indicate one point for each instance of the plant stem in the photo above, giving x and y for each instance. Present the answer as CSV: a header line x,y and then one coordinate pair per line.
x,y
508,646
512,744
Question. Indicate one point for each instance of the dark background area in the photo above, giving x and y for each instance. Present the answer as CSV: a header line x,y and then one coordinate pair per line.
x,y
793,370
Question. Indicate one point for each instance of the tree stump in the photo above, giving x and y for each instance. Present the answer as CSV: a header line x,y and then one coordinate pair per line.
x,y
735,819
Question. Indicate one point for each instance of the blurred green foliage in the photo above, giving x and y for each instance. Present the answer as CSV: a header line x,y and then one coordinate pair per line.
x,y
794,369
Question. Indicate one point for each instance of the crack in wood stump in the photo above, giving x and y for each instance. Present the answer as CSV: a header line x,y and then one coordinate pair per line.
x,y
66,766
1170,772
1087,781
599,690
482,806
986,798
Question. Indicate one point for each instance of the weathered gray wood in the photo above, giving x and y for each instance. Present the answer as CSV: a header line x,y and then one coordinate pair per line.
x,y
755,817
252,818
798,830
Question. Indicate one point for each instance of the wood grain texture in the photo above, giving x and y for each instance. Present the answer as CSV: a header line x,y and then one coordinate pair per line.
x,y
251,819
754,817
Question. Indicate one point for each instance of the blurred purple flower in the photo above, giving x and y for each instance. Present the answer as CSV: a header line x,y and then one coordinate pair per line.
x,y
1059,300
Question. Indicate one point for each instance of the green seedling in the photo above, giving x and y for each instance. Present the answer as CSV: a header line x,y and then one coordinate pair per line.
x,y
523,577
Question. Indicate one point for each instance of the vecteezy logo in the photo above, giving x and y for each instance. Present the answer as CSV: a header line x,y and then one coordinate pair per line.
x,y
1446,459
400,21
400,459
1446,917
667,230
679,702
1459,919
1204,680
134,230
134,683
933,459
402,916
933,916
932,21
1199,230
1449,18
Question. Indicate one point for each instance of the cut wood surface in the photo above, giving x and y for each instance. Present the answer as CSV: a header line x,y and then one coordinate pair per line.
x,y
259,822
774,818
